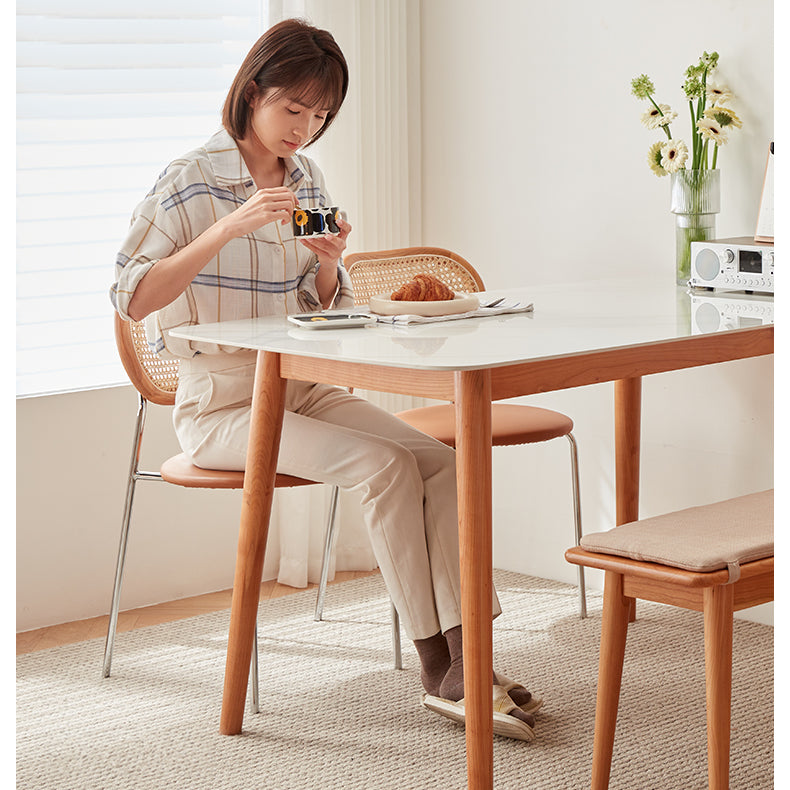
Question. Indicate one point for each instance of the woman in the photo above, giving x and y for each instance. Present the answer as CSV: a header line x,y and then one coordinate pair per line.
x,y
213,241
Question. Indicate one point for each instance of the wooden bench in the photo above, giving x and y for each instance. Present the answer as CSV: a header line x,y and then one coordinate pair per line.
x,y
716,559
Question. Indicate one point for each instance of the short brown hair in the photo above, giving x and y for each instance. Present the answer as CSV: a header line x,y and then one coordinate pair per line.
x,y
294,57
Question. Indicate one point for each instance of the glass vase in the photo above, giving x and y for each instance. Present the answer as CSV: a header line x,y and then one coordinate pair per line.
x,y
695,201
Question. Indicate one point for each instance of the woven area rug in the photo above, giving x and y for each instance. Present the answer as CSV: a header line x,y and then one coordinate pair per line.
x,y
335,714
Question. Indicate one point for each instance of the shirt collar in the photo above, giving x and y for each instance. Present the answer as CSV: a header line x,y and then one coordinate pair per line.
x,y
297,173
230,168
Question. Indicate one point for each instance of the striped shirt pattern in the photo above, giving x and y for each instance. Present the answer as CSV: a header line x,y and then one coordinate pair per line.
x,y
267,272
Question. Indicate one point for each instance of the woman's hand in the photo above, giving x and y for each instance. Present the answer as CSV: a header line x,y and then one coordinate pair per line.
x,y
329,248
265,206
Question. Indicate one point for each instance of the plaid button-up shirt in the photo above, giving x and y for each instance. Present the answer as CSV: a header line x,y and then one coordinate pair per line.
x,y
267,272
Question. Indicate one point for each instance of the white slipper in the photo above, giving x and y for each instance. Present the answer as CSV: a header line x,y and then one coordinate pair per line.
x,y
531,705
505,725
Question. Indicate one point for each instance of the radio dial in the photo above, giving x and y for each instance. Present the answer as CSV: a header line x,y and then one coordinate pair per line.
x,y
729,256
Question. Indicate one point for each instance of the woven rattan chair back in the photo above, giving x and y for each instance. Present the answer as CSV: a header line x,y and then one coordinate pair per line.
x,y
154,378
381,272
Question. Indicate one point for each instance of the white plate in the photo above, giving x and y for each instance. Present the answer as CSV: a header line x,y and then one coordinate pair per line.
x,y
462,303
330,320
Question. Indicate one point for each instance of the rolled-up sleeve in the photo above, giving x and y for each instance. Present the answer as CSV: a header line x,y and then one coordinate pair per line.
x,y
150,238
308,293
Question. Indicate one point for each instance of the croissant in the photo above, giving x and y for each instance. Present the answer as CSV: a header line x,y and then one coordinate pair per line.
x,y
423,288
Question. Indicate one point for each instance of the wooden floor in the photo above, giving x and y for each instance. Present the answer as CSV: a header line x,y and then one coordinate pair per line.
x,y
95,627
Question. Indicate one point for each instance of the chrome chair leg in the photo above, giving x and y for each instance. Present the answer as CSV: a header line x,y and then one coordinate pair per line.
x,y
125,523
253,684
577,521
397,655
329,544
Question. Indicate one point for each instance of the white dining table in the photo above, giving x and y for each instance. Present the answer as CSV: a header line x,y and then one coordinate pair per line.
x,y
576,334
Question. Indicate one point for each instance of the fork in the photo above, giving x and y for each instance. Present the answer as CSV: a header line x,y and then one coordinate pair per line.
x,y
494,303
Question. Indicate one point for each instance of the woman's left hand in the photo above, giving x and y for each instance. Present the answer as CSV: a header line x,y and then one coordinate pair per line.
x,y
329,248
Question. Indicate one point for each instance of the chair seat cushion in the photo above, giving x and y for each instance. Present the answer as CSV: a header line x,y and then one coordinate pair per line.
x,y
703,539
180,471
511,423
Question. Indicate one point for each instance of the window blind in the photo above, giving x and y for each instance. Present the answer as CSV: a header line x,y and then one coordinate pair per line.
x,y
107,95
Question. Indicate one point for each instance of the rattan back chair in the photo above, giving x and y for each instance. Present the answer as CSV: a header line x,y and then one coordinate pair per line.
x,y
156,380
383,271
374,273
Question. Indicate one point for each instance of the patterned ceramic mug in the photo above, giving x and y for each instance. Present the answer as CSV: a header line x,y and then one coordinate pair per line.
x,y
307,222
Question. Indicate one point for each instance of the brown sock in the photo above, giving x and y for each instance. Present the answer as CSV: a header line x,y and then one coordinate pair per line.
x,y
452,687
520,696
434,661
453,683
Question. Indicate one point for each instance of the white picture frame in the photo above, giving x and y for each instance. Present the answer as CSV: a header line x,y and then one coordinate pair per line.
x,y
765,218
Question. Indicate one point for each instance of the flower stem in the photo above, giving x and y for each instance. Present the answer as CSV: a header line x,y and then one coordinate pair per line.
x,y
694,138
667,132
715,157
703,99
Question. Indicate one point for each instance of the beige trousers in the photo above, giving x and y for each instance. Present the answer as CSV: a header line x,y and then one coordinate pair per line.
x,y
407,479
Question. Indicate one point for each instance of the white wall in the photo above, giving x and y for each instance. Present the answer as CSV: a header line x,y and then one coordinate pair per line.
x,y
527,110
73,454
526,105
527,113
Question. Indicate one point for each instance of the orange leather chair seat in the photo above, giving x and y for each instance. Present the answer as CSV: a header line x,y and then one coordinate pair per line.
x,y
180,471
510,423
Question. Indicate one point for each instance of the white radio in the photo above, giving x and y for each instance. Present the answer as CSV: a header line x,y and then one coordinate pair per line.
x,y
739,264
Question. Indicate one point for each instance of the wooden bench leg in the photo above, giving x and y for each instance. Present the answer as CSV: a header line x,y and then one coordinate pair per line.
x,y
614,629
718,607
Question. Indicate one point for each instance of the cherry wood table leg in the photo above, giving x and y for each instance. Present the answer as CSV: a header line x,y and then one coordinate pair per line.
x,y
627,441
718,607
614,629
268,405
473,464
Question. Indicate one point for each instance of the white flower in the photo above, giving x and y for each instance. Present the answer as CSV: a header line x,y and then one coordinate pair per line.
x,y
710,129
656,118
723,116
718,94
674,154
654,159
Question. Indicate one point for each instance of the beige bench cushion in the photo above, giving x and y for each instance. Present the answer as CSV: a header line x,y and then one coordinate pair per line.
x,y
706,538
